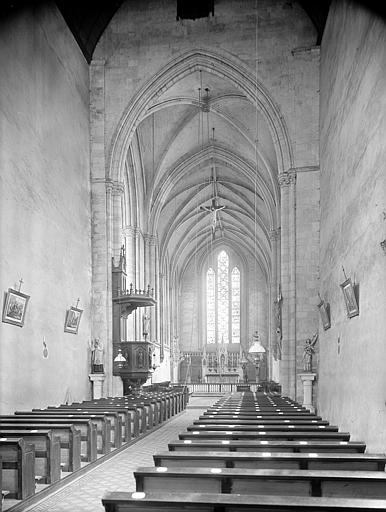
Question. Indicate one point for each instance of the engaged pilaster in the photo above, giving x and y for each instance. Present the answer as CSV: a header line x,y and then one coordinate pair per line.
x,y
287,182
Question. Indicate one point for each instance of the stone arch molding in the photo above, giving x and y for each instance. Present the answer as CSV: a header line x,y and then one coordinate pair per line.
x,y
223,66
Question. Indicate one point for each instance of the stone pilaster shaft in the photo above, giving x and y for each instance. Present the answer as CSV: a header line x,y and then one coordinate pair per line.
x,y
274,236
287,181
101,313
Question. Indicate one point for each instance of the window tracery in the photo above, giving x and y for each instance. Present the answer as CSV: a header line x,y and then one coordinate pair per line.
x,y
223,301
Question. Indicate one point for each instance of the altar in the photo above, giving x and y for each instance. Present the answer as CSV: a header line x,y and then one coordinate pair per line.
x,y
226,377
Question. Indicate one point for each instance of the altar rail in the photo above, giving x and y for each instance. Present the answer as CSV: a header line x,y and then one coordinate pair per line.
x,y
219,387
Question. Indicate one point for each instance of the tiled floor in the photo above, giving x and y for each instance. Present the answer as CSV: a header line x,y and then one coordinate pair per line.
x,y
84,494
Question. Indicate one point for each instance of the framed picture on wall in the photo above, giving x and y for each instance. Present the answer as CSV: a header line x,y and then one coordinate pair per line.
x,y
73,316
324,310
350,298
15,306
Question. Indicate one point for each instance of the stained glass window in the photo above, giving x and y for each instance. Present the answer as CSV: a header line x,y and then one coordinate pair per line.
x,y
223,297
210,306
235,281
223,302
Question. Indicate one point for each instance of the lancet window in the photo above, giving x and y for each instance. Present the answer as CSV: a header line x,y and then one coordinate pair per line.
x,y
223,287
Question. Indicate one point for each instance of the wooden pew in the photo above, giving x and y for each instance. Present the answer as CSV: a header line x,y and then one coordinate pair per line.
x,y
258,410
301,446
87,429
261,412
271,460
258,414
235,420
69,439
115,416
274,434
102,423
212,502
325,483
18,468
144,411
274,427
47,452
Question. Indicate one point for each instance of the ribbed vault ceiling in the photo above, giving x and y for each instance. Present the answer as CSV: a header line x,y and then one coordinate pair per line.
x,y
204,140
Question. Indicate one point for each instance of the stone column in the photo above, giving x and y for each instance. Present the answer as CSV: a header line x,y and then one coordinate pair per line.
x,y
287,181
128,233
307,380
157,295
153,280
274,236
136,283
150,278
97,380
116,218
101,311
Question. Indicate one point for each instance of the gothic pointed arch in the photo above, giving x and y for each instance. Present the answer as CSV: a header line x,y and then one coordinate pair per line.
x,y
222,65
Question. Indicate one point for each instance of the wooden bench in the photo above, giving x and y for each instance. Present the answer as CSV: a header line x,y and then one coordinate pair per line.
x,y
18,468
117,418
88,430
266,434
326,483
301,446
212,502
70,440
103,424
47,452
145,413
262,425
235,420
257,414
132,417
262,410
271,460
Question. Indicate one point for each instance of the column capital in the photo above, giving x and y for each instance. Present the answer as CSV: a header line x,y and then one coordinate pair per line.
x,y
274,234
117,188
137,231
287,178
150,239
98,62
128,231
114,187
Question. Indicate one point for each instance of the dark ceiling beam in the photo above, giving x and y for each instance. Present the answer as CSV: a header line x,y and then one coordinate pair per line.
x,y
87,20
317,12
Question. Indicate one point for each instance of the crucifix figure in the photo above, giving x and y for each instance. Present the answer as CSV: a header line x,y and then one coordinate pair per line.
x,y
213,209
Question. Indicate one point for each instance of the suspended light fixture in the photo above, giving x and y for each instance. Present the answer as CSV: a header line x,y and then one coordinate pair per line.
x,y
256,351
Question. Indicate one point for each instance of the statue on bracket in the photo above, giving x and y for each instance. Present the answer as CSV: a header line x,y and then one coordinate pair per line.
x,y
96,347
308,351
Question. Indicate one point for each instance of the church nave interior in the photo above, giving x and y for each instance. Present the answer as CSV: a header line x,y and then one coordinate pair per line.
x,y
192,211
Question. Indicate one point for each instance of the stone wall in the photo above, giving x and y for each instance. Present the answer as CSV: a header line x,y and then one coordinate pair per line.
x,y
353,181
45,208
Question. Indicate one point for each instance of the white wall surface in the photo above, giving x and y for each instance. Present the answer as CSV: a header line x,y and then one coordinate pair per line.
x,y
44,207
352,383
